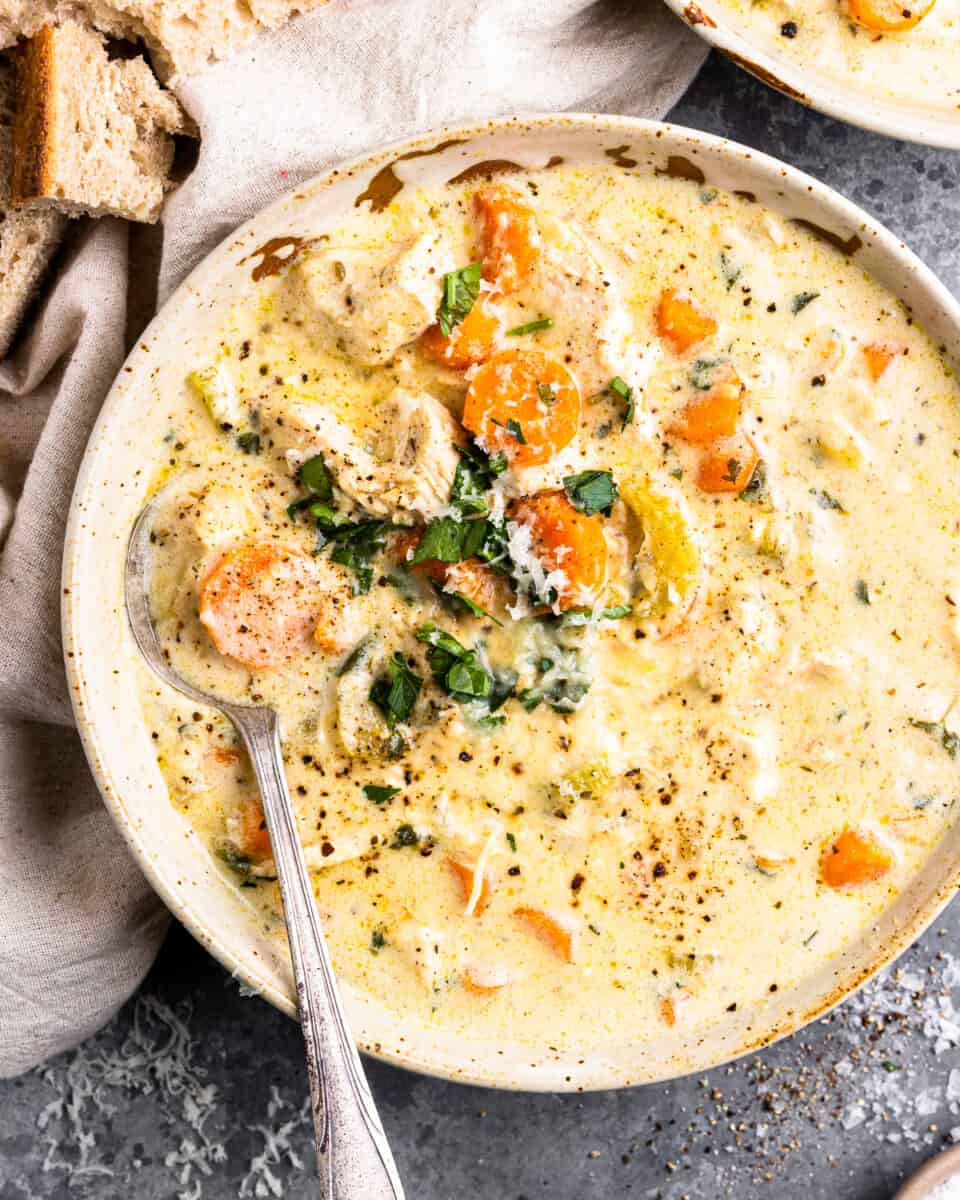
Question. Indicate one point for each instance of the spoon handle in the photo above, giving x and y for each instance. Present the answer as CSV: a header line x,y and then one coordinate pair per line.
x,y
353,1155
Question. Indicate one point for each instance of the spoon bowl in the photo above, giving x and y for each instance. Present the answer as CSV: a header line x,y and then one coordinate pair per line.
x,y
353,1154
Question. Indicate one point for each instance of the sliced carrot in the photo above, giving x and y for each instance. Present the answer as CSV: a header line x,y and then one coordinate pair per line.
x,y
471,577
256,839
681,321
484,980
668,1011
556,932
853,858
566,540
260,603
472,341
728,464
525,404
711,415
464,872
510,238
226,755
888,16
879,356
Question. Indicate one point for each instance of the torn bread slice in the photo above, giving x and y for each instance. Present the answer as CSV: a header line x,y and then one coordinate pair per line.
x,y
28,238
183,36
92,134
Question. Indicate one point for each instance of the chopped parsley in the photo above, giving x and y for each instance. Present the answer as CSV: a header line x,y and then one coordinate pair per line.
x,y
450,540
825,500
949,740
729,269
591,492
513,428
584,616
249,443
530,327
354,546
474,607
546,394
756,489
395,694
862,591
405,835
621,388
460,291
315,477
512,842
457,670
377,941
702,372
379,794
734,467
801,300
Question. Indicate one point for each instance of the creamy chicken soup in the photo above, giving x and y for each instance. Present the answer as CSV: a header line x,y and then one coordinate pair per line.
x,y
595,536
888,50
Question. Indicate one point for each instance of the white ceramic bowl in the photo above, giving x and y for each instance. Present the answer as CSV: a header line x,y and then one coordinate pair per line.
x,y
103,669
766,58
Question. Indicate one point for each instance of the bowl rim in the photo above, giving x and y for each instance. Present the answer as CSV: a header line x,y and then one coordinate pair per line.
x,y
93,727
819,92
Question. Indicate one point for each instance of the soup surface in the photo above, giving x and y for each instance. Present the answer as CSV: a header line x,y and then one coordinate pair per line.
x,y
889,51
595,535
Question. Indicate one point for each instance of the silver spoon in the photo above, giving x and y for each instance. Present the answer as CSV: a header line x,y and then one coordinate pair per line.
x,y
352,1150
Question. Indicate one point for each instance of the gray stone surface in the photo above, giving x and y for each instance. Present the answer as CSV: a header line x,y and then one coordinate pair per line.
x,y
198,1091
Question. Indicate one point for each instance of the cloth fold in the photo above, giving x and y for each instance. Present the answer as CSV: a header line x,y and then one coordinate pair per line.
x,y
80,925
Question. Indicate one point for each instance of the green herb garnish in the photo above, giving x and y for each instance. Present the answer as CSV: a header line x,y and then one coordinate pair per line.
x,y
378,794
585,616
512,842
591,492
460,291
825,500
622,389
756,489
377,941
949,740
801,300
475,608
530,327
702,372
729,269
405,835
862,591
315,477
249,443
354,545
457,669
395,694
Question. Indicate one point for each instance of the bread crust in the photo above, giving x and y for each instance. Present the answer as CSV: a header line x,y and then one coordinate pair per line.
x,y
33,126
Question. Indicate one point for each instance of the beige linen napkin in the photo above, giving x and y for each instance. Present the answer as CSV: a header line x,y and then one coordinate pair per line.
x,y
79,925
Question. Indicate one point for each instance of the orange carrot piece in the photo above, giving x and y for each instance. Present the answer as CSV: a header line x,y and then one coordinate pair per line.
x,y
256,839
681,321
525,404
464,872
471,577
728,464
472,341
853,858
484,980
668,1011
889,16
567,540
553,931
510,239
879,356
711,415
259,603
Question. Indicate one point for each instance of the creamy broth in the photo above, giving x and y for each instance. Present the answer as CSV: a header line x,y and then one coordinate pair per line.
x,y
915,67
703,736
